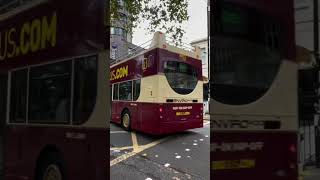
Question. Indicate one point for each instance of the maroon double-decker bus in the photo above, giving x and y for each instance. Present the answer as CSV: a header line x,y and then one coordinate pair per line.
x,y
159,90
253,89
53,91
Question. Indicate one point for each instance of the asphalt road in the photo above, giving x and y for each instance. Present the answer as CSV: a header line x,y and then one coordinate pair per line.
x,y
311,173
136,156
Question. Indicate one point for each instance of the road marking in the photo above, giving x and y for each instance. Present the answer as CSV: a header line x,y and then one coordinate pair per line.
x,y
114,132
134,141
121,148
122,158
147,146
136,149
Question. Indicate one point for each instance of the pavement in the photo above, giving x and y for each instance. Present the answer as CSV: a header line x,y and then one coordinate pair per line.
x,y
137,156
310,173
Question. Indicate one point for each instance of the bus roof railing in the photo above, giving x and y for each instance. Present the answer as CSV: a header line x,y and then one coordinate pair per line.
x,y
159,41
17,6
142,47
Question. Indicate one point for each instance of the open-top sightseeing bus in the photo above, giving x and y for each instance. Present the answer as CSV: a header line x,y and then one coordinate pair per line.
x,y
53,91
158,90
253,89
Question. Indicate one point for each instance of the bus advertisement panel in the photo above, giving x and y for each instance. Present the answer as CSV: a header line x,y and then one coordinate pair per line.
x,y
158,91
51,29
53,69
253,89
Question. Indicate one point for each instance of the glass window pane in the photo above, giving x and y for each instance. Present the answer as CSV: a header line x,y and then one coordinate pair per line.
x,y
182,77
49,94
85,88
3,101
115,92
125,91
18,97
112,31
136,89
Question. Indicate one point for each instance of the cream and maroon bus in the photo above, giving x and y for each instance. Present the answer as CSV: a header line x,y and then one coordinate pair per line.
x,y
53,91
158,90
253,90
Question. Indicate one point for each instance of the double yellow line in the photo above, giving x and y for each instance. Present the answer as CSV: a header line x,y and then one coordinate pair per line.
x,y
136,149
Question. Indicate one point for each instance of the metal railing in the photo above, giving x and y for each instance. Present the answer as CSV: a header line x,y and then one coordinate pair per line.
x,y
6,7
142,47
146,45
181,45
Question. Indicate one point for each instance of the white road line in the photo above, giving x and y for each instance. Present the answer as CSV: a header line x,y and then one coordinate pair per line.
x,y
121,148
114,132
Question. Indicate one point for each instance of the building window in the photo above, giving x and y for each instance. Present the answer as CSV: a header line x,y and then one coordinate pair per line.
x,y
118,31
113,53
85,88
125,91
130,51
49,93
123,17
121,3
18,97
301,4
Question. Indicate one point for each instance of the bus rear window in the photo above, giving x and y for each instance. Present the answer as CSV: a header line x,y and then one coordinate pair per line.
x,y
182,77
244,63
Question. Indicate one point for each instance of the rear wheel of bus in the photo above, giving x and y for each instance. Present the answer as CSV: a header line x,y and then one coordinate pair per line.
x,y
51,167
126,120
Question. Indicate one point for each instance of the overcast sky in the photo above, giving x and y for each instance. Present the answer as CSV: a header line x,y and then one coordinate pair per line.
x,y
196,27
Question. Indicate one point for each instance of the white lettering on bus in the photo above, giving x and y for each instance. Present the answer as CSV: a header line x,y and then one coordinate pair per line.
x,y
237,146
182,107
242,124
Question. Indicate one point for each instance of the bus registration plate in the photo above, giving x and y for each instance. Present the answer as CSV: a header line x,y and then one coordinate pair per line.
x,y
183,113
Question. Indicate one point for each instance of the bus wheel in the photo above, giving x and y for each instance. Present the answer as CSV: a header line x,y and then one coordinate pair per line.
x,y
51,168
126,120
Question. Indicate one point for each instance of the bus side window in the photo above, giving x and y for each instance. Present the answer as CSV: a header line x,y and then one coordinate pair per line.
x,y
116,92
125,91
50,93
18,97
136,89
85,88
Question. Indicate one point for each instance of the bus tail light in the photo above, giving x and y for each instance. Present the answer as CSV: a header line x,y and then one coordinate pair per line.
x,y
160,112
292,148
292,156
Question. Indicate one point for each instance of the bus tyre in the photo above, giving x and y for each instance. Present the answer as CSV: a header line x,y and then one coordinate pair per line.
x,y
126,120
51,168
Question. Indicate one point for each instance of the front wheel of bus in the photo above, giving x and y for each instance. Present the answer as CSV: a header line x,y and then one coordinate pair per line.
x,y
51,168
126,120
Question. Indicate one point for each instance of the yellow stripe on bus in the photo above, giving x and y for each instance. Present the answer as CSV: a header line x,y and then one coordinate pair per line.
x,y
233,164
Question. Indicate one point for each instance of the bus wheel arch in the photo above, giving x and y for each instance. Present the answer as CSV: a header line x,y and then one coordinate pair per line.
x,y
126,119
50,163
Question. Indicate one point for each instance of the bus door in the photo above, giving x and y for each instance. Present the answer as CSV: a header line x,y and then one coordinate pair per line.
x,y
3,105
